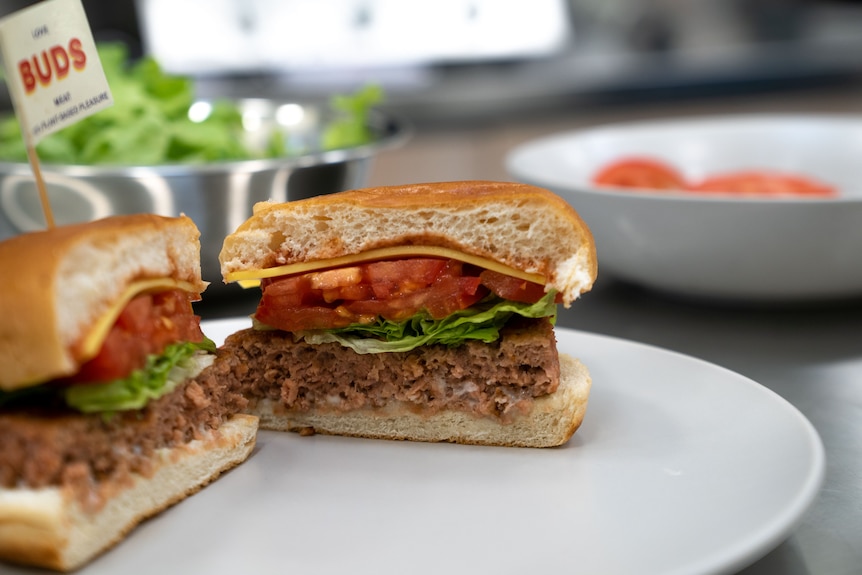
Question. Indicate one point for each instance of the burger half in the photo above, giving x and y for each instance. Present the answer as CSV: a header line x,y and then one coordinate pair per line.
x,y
421,312
108,414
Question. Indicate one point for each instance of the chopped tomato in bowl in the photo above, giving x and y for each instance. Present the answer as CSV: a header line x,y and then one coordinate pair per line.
x,y
651,174
646,173
762,183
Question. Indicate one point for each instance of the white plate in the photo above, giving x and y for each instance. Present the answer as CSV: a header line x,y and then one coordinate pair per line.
x,y
680,467
716,246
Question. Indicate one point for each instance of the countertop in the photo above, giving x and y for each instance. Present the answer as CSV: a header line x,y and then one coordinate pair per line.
x,y
809,354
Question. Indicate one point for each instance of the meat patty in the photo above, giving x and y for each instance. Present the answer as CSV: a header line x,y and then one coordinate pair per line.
x,y
51,447
500,379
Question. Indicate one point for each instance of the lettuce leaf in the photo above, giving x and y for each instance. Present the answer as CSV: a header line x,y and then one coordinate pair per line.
x,y
481,322
160,376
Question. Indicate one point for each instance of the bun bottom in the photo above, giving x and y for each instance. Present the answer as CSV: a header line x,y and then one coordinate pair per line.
x,y
552,421
49,528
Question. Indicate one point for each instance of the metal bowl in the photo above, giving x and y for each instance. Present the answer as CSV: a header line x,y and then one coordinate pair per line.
x,y
217,196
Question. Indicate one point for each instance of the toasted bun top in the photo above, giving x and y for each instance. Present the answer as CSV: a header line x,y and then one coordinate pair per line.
x,y
57,282
521,226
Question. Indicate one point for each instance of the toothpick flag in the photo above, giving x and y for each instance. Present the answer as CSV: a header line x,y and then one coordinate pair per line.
x,y
53,72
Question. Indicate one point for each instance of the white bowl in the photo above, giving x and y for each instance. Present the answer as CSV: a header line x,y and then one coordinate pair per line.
x,y
717,246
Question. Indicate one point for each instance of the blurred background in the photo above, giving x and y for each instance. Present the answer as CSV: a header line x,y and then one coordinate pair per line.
x,y
477,78
473,79
494,73
492,60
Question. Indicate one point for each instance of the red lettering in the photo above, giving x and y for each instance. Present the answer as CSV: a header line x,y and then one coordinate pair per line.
x,y
61,61
44,76
27,76
55,62
79,58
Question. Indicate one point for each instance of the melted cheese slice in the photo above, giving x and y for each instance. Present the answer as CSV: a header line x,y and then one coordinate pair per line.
x,y
92,342
251,278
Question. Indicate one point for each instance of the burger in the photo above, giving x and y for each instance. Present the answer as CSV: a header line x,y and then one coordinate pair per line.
x,y
108,412
420,312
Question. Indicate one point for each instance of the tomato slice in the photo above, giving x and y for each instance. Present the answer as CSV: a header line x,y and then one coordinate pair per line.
x,y
291,292
643,173
308,317
148,324
764,184
648,173
439,300
393,289
514,289
394,278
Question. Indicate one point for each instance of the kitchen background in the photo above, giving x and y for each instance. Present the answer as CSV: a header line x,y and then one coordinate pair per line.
x,y
453,64
476,78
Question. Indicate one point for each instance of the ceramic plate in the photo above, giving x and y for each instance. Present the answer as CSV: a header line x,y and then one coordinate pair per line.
x,y
680,467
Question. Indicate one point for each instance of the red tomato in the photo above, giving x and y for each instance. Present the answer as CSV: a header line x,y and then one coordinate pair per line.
x,y
398,277
361,291
455,294
763,183
513,289
640,173
290,292
439,300
148,324
394,289
302,318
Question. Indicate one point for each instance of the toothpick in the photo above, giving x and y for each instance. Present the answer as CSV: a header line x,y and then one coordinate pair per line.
x,y
40,185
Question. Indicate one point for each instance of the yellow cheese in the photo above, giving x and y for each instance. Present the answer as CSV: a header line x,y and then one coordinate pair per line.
x,y
251,278
93,341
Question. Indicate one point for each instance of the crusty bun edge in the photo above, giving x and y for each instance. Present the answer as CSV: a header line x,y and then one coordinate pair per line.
x,y
49,528
68,276
519,225
552,422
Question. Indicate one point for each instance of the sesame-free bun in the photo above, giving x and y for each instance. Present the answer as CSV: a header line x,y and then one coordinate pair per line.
x,y
522,226
58,281
50,527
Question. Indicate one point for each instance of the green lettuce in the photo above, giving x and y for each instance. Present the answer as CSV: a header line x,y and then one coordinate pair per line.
x,y
481,322
158,377
350,126
148,123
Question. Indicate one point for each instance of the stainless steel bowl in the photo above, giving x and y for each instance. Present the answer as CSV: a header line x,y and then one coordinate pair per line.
x,y
218,197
